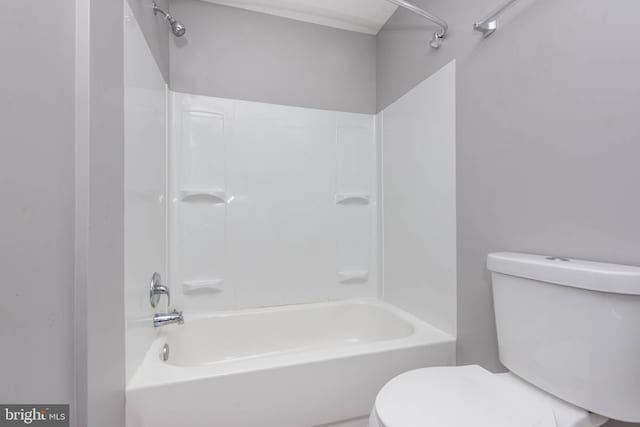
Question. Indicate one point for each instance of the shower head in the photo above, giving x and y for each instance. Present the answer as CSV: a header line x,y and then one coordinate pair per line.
x,y
177,28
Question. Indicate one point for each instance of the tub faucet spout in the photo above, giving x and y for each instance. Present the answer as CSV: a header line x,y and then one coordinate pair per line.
x,y
175,317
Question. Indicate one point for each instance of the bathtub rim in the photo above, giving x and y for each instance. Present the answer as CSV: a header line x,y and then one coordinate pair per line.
x,y
153,372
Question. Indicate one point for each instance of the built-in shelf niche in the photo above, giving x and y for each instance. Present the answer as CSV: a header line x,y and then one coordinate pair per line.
x,y
353,277
216,196
201,286
353,198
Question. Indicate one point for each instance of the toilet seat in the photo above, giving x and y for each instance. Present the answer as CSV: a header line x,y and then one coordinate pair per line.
x,y
467,396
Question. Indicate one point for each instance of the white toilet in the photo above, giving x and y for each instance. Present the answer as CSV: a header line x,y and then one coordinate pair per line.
x,y
568,331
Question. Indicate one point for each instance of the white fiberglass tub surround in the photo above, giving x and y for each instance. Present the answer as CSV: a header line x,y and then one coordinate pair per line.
x,y
295,366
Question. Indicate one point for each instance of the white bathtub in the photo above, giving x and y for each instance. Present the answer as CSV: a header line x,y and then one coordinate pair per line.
x,y
295,366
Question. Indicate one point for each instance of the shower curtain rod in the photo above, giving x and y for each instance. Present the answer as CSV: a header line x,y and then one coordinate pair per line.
x,y
436,41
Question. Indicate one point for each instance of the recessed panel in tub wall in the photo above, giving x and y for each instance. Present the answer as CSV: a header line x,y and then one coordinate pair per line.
x,y
270,231
355,206
201,133
144,187
419,200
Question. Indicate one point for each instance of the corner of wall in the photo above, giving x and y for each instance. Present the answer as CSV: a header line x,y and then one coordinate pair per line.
x,y
156,31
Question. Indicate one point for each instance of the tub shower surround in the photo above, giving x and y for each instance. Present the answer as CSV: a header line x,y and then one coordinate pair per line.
x,y
269,205
287,240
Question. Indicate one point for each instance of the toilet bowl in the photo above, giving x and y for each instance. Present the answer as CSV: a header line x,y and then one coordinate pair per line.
x,y
569,333
468,396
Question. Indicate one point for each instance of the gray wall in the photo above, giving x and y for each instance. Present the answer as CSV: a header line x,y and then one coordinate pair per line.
x,y
99,215
156,31
548,136
61,159
233,53
36,218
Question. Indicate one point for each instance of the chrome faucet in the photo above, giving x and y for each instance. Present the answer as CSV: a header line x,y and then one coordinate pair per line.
x,y
156,290
175,317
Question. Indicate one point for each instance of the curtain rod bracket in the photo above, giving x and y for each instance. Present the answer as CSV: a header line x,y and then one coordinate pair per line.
x,y
486,27
490,24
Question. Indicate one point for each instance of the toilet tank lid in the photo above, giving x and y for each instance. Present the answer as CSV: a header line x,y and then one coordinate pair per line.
x,y
595,276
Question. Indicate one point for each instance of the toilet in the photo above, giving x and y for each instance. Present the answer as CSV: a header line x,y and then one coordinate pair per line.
x,y
569,333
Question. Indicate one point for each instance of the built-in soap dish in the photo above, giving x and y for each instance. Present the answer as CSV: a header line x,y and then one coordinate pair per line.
x,y
202,286
353,198
214,196
353,277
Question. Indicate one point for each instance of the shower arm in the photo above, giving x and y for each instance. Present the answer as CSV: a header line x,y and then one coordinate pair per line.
x,y
444,27
156,10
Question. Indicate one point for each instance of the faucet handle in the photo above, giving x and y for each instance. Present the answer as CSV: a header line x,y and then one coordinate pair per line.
x,y
156,289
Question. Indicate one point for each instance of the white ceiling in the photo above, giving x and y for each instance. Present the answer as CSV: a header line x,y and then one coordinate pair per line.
x,y
364,16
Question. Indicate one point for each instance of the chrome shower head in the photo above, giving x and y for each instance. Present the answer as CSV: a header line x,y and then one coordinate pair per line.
x,y
177,28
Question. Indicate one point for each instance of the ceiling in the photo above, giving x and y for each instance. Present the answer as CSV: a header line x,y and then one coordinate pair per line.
x,y
364,16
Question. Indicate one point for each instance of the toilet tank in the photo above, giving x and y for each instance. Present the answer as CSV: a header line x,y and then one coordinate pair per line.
x,y
571,328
